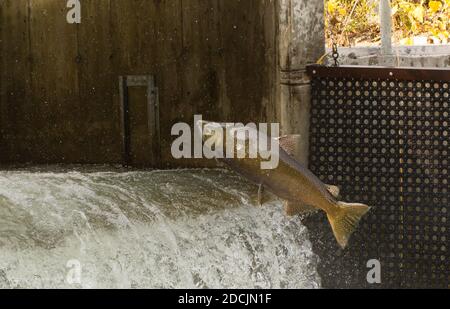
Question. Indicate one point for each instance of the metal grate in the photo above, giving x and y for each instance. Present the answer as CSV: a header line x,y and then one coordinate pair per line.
x,y
383,136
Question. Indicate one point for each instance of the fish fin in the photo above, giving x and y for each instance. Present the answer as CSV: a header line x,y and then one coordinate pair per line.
x,y
334,190
345,221
289,143
264,196
260,194
295,208
220,164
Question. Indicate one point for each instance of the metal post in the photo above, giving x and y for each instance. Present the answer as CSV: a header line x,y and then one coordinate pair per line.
x,y
386,27
148,81
125,120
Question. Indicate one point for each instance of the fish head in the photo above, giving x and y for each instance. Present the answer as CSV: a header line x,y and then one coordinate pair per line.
x,y
236,141
233,138
213,132
226,135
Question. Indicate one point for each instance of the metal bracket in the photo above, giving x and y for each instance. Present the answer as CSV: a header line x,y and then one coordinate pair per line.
x,y
148,81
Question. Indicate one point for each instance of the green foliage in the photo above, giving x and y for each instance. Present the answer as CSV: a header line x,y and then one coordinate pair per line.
x,y
353,22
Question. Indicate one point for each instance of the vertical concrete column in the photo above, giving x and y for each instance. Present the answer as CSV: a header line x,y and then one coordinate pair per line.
x,y
301,42
387,55
386,27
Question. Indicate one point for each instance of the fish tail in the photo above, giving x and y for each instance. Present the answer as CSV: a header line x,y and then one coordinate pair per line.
x,y
345,220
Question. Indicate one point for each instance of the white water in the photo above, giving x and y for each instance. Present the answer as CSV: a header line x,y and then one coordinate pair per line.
x,y
147,229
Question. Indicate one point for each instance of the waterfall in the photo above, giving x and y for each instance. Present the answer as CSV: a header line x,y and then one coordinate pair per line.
x,y
146,229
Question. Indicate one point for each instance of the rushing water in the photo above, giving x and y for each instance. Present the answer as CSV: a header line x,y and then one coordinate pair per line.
x,y
146,229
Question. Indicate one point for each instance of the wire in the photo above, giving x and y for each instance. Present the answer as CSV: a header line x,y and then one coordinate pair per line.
x,y
321,59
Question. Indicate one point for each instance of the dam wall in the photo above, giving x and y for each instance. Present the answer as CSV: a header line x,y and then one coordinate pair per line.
x,y
59,82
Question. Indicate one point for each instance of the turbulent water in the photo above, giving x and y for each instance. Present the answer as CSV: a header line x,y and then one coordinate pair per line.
x,y
111,228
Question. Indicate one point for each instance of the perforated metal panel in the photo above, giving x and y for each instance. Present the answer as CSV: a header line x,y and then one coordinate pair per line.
x,y
383,136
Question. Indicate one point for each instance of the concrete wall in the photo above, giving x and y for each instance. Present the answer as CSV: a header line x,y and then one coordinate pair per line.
x,y
59,96
404,56
302,41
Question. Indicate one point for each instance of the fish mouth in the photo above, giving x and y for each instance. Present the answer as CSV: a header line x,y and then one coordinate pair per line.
x,y
201,124
204,130
208,128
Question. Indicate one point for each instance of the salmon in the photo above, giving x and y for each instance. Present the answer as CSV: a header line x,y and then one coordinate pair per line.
x,y
301,190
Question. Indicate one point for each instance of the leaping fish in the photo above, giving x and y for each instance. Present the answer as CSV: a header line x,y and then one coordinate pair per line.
x,y
291,181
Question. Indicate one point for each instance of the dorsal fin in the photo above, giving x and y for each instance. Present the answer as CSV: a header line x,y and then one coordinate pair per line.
x,y
290,144
334,190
